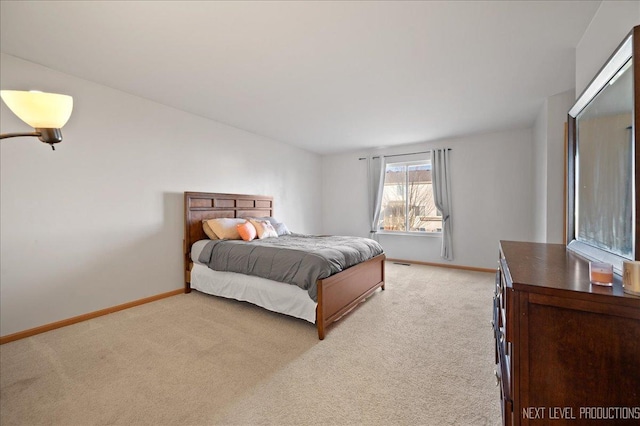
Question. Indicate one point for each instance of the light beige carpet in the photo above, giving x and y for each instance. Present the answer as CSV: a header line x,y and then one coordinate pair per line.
x,y
419,353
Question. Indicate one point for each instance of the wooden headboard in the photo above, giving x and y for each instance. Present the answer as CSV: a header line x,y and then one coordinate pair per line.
x,y
209,205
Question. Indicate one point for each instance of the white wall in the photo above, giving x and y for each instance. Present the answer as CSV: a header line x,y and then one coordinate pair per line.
x,y
492,198
99,222
611,23
557,108
539,174
548,167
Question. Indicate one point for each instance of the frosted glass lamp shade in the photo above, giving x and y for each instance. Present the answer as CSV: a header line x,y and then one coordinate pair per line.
x,y
38,109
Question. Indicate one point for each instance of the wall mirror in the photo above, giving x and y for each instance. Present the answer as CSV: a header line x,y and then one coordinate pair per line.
x,y
602,222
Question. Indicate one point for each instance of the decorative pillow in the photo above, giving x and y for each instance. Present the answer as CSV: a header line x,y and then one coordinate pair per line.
x,y
264,228
247,231
207,230
281,228
225,228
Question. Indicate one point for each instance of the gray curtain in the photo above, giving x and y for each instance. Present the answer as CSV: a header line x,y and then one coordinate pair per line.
x,y
377,166
441,175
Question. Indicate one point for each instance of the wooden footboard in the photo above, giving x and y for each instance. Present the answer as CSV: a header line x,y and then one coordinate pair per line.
x,y
342,292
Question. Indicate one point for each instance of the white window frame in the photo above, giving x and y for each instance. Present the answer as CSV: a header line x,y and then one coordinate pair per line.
x,y
406,200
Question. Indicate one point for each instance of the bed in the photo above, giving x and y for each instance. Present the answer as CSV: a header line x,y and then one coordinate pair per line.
x,y
336,295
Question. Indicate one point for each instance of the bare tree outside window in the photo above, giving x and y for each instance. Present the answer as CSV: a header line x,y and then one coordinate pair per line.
x,y
407,199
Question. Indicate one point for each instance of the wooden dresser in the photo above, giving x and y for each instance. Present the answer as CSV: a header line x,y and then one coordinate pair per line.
x,y
567,352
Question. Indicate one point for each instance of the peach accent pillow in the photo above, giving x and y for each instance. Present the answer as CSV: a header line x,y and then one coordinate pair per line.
x,y
264,228
247,231
225,228
207,230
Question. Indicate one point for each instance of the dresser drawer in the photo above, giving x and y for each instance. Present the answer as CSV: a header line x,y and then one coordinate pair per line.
x,y
501,326
506,300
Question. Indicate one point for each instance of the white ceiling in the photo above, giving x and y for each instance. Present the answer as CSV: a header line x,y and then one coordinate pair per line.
x,y
325,76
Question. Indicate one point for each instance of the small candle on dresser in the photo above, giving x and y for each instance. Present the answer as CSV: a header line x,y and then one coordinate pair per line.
x,y
601,273
631,277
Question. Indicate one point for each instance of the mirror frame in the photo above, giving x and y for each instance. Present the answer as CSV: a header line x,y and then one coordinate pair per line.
x,y
629,48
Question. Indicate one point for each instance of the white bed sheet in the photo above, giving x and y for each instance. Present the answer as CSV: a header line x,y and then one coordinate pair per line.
x,y
275,296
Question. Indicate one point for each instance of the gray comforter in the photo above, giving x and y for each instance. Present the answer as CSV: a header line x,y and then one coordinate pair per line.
x,y
295,259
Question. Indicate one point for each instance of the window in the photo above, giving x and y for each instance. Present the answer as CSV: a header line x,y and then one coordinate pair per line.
x,y
407,199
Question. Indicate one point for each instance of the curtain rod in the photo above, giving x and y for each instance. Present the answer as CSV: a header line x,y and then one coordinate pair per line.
x,y
400,155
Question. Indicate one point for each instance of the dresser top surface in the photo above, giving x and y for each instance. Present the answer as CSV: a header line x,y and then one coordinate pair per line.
x,y
540,267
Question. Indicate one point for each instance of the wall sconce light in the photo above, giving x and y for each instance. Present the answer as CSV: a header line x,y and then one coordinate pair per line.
x,y
45,112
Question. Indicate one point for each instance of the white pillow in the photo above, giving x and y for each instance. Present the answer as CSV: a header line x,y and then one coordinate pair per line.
x,y
281,228
264,228
226,228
